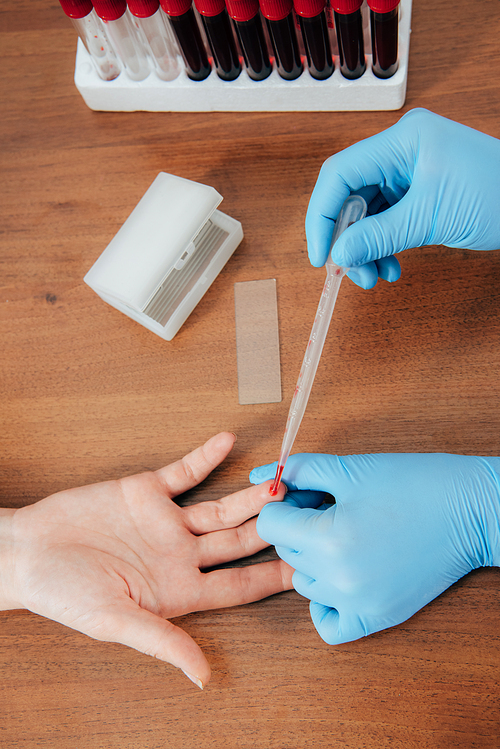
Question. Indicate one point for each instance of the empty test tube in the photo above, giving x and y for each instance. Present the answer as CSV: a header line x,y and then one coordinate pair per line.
x,y
124,37
247,22
187,33
384,17
91,31
220,38
150,19
349,28
281,25
314,28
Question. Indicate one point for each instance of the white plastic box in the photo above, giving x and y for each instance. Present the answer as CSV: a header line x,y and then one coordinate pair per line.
x,y
305,94
166,255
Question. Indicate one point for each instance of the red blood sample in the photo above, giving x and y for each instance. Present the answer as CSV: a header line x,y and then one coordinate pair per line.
x,y
349,28
185,26
384,31
248,25
276,483
220,38
312,19
281,26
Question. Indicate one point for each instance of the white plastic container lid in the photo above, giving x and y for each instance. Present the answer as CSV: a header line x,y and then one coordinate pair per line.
x,y
153,239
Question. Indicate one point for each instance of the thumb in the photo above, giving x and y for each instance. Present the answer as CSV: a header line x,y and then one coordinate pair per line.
x,y
283,524
318,472
332,628
262,473
129,624
302,471
400,227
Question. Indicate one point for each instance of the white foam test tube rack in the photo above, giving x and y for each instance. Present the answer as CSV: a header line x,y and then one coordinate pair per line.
x,y
274,94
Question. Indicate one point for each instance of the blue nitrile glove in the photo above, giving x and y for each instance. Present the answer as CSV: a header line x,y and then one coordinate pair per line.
x,y
438,181
403,529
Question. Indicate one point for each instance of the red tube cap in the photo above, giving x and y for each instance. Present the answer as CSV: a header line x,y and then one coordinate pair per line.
x,y
344,7
143,8
242,10
383,6
175,7
276,10
110,10
76,8
309,8
210,7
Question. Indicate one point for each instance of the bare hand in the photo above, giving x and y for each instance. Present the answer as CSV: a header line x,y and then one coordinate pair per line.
x,y
115,560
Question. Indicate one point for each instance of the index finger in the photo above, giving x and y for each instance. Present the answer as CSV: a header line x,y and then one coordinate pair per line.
x,y
194,467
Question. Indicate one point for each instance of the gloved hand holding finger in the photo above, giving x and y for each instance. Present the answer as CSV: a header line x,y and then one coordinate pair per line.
x,y
404,528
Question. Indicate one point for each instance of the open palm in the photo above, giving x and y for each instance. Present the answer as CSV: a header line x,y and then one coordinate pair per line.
x,y
115,560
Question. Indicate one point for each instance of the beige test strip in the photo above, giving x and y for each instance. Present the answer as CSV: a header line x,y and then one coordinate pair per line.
x,y
257,342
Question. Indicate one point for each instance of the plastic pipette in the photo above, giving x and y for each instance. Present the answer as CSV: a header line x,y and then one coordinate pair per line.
x,y
353,209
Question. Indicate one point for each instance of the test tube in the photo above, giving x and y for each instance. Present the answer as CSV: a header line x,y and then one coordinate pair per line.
x,y
161,45
384,32
220,38
124,37
248,25
91,31
187,32
281,25
349,28
314,28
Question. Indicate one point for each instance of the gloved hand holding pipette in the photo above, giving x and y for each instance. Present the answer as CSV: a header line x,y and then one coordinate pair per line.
x,y
353,209
434,181
403,529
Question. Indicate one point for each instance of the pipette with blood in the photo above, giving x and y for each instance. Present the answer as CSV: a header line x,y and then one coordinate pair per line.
x,y
353,209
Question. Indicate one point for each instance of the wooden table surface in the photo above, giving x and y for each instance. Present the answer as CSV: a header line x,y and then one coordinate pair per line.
x,y
88,394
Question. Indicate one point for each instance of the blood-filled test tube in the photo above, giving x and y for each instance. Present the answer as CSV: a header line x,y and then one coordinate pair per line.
x,y
124,37
187,32
248,25
349,28
281,24
220,38
384,32
314,28
91,31
161,44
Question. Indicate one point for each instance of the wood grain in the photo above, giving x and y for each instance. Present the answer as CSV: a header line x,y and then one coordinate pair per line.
x,y
87,394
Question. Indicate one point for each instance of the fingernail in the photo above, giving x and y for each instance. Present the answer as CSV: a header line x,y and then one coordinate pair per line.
x,y
234,435
194,679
